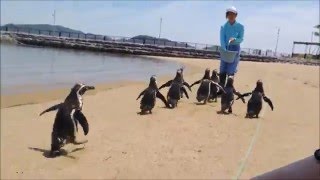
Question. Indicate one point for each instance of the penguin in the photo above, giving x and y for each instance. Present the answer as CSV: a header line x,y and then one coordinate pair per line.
x,y
176,88
183,81
149,96
227,98
215,76
255,102
208,88
205,91
67,118
174,93
178,79
215,89
205,76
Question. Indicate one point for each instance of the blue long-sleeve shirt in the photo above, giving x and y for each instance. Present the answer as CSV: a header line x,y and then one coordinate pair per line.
x,y
227,31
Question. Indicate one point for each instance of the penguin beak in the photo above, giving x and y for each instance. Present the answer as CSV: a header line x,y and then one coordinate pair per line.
x,y
84,89
90,87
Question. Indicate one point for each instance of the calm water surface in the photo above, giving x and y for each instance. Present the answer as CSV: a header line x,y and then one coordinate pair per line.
x,y
24,69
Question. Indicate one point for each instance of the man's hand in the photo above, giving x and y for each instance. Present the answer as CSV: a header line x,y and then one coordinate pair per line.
x,y
232,40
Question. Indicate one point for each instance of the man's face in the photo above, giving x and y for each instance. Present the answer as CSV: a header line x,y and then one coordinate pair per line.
x,y
231,16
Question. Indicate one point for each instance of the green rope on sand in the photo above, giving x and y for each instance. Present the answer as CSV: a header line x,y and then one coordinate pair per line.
x,y
244,160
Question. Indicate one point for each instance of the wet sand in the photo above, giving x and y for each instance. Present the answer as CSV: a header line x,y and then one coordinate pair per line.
x,y
190,142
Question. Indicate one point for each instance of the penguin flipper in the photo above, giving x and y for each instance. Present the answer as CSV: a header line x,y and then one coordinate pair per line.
x,y
197,82
163,99
79,116
187,84
244,95
141,94
266,99
53,108
218,85
239,95
165,84
185,92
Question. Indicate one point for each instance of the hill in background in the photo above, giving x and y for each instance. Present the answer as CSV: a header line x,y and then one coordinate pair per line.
x,y
47,27
42,27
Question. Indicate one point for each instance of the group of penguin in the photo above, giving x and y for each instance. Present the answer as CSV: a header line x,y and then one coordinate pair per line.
x,y
209,89
69,113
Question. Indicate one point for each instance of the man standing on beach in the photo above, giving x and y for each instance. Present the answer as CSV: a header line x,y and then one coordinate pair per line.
x,y
231,35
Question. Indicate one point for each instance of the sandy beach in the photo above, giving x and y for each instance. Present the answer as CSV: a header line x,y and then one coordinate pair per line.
x,y
189,142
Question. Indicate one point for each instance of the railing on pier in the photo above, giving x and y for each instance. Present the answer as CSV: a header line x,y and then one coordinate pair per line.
x,y
140,40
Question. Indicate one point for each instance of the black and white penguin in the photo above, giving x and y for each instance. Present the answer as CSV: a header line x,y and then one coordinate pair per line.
x,y
227,98
255,102
174,94
183,81
205,91
205,76
176,89
215,76
149,96
67,118
214,88
178,79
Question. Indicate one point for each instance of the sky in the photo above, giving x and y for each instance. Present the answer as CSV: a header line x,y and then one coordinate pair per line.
x,y
188,21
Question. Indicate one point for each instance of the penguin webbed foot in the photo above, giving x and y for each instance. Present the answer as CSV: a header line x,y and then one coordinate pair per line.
x,y
55,153
142,112
221,112
250,115
168,106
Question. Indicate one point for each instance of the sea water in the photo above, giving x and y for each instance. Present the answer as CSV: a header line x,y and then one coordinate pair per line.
x,y
25,69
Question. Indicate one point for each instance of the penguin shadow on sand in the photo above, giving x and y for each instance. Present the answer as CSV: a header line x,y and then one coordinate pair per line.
x,y
198,103
227,113
63,152
209,102
143,113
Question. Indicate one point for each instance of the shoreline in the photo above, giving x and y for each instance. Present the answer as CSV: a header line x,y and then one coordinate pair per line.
x,y
41,96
